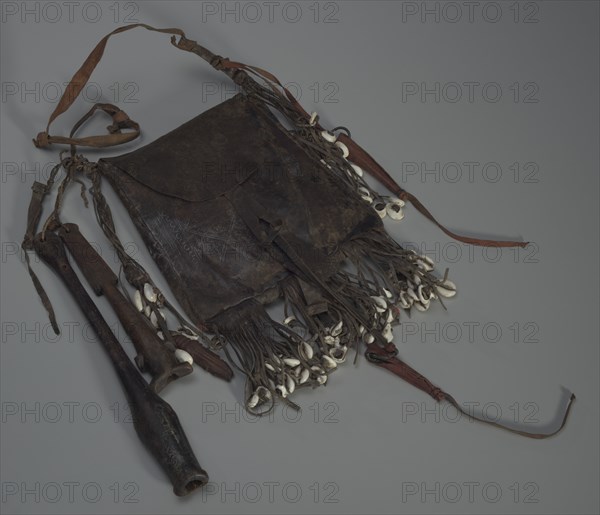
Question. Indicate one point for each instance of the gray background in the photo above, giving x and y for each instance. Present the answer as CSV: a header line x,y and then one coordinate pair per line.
x,y
367,443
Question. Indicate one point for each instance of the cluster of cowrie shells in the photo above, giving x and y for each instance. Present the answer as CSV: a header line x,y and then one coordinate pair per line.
x,y
284,374
147,302
383,206
414,292
311,366
337,350
332,138
418,294
383,317
287,373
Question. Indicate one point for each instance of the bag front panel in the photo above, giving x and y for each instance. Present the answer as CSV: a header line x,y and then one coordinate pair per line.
x,y
190,193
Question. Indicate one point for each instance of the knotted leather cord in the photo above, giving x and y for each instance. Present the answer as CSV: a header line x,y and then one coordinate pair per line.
x,y
34,214
135,273
287,104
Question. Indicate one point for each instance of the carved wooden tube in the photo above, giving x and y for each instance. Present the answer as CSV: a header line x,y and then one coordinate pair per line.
x,y
153,356
155,421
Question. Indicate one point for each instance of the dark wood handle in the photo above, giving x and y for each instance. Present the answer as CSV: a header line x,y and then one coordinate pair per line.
x,y
153,355
155,421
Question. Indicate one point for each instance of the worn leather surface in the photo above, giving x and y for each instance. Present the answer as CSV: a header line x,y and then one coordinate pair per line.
x,y
201,194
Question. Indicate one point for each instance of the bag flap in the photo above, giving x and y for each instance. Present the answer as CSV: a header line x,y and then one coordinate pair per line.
x,y
206,156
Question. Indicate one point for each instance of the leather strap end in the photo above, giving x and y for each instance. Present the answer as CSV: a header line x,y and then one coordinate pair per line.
x,y
38,188
42,140
183,43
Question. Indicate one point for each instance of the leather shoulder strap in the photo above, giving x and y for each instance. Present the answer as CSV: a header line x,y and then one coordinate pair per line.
x,y
74,88
241,74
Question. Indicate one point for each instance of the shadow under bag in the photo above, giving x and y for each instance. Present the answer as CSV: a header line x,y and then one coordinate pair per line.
x,y
240,212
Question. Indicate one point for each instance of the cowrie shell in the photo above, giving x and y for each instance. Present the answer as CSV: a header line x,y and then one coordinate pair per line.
x,y
369,338
390,317
137,301
422,306
426,267
337,330
322,379
426,263
289,320
387,293
253,401
290,384
404,301
149,293
365,194
421,294
388,333
397,202
282,390
338,354
304,375
329,363
328,136
154,318
447,289
270,367
313,119
380,304
357,170
429,294
263,393
380,209
183,356
329,340
306,350
394,211
184,330
291,362
343,148
147,311
411,293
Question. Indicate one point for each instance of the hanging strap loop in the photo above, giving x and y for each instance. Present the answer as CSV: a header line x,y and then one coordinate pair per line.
x,y
114,137
74,88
